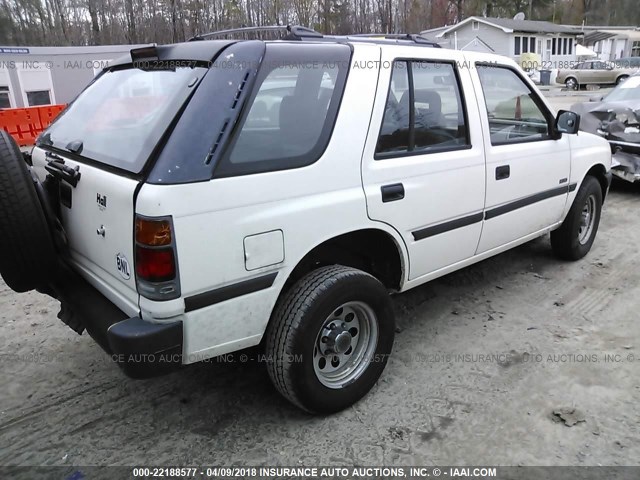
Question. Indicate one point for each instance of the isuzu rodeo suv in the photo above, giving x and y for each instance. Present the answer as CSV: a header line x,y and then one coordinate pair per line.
x,y
204,197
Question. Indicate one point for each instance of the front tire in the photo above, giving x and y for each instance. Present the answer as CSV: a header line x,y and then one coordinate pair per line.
x,y
574,238
329,338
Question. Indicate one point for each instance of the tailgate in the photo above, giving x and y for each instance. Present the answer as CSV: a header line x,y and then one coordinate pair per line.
x,y
98,217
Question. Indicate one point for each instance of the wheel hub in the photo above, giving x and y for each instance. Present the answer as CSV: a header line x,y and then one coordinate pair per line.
x,y
344,344
587,220
338,340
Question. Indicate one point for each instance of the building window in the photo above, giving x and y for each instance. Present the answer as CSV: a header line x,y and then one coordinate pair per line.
x,y
4,97
525,44
476,25
635,49
38,97
553,46
564,46
571,46
532,44
516,46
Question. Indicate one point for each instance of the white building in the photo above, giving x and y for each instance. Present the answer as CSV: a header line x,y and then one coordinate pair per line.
x,y
509,37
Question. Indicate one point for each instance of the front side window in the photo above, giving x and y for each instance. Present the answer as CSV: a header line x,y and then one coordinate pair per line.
x,y
423,112
291,114
515,113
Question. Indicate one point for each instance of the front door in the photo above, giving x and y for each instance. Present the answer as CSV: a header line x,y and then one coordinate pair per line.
x,y
527,169
423,165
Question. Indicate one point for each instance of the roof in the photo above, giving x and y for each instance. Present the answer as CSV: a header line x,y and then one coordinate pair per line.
x,y
633,35
595,36
602,33
509,25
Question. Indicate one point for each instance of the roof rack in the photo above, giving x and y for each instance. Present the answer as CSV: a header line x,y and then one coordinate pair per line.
x,y
296,32
389,37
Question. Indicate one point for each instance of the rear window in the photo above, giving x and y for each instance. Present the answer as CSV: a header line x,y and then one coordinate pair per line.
x,y
119,119
292,111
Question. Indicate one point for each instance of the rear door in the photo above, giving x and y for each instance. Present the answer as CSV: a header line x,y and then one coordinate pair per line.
x,y
98,218
527,169
602,73
109,132
423,164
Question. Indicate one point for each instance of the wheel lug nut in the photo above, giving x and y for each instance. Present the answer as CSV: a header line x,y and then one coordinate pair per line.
x,y
324,339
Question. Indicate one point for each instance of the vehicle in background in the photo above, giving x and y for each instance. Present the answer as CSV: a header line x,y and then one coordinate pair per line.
x,y
616,117
594,72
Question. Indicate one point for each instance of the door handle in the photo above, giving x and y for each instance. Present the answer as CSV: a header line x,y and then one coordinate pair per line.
x,y
391,193
502,172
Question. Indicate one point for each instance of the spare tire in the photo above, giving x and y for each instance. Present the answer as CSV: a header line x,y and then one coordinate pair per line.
x,y
28,255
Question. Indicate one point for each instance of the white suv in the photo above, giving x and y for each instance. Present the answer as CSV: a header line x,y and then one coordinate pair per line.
x,y
205,197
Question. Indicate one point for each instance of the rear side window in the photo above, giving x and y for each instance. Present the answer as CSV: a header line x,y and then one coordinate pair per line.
x,y
424,110
289,118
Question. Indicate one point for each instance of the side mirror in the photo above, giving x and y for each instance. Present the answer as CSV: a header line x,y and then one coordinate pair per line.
x,y
567,122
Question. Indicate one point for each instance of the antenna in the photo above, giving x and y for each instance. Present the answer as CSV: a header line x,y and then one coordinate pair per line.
x,y
519,16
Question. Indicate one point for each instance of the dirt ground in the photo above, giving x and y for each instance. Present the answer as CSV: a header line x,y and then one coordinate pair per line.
x,y
482,360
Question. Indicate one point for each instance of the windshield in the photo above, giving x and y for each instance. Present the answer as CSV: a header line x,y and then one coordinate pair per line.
x,y
119,119
628,90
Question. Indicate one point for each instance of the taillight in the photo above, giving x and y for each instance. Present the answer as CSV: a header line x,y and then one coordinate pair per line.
x,y
156,266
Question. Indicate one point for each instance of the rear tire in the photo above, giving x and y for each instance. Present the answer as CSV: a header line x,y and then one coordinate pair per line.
x,y
329,338
28,258
571,83
574,238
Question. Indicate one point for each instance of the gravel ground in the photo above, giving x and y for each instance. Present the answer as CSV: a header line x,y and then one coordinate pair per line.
x,y
482,360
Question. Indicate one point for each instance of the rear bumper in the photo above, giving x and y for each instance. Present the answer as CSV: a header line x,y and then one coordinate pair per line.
x,y
141,349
